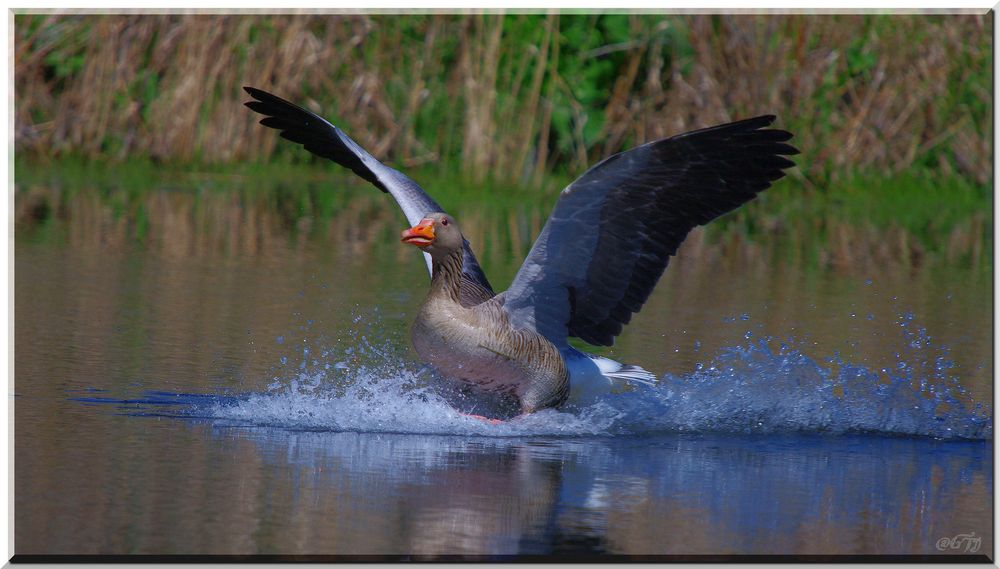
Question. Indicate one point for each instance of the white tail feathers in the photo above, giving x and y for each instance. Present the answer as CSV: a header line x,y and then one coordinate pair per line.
x,y
613,370
632,373
591,376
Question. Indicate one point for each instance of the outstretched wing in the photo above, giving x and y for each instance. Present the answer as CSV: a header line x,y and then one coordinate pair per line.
x,y
614,229
323,139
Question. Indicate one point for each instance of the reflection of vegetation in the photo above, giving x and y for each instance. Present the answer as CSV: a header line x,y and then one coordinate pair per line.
x,y
906,220
903,217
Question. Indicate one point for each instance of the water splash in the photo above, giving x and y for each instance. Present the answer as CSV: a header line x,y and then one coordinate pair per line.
x,y
364,384
754,388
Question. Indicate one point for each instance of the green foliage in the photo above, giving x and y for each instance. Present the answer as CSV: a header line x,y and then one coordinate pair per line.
x,y
63,43
874,92
925,206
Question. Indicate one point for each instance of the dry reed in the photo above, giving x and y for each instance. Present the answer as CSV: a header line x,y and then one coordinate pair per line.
x,y
861,91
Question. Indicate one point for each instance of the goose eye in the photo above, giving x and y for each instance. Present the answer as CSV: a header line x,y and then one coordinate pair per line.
x,y
444,221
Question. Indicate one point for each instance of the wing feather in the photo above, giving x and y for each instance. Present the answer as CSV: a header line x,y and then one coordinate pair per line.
x,y
323,139
613,230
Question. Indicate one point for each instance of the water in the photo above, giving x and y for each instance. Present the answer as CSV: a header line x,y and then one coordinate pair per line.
x,y
236,393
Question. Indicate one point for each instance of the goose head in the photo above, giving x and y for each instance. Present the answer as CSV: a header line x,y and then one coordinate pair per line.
x,y
436,234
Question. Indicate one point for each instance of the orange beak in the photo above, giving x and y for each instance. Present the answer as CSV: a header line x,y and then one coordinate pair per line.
x,y
421,235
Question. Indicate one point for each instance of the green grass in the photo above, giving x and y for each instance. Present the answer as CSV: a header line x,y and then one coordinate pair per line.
x,y
875,91
923,203
927,208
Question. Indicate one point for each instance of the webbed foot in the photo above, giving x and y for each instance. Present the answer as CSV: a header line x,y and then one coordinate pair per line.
x,y
484,419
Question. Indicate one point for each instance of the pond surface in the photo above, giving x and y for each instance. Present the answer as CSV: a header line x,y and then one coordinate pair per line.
x,y
226,385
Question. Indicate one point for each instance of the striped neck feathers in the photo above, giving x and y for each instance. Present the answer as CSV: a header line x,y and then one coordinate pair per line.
x,y
447,278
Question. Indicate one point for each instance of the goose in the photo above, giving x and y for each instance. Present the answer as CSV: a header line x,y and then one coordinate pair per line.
x,y
598,257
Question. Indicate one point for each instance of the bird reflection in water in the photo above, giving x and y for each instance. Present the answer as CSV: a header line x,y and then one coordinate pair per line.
x,y
426,495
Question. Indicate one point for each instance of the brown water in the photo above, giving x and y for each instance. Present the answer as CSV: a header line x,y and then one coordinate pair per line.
x,y
244,387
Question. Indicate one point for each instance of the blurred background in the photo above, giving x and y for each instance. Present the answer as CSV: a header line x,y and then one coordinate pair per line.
x,y
892,113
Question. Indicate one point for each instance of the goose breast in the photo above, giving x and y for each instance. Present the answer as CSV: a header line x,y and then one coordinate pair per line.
x,y
479,347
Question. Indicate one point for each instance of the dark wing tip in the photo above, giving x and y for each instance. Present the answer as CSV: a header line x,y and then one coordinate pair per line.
x,y
258,107
773,137
750,126
268,104
257,93
781,163
752,123
260,94
783,149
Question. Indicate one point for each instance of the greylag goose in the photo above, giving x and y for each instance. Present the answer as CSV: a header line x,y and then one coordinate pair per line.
x,y
595,262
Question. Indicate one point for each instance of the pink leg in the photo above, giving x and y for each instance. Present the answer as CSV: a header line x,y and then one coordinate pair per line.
x,y
481,418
